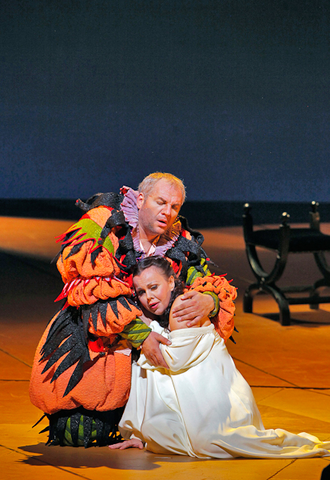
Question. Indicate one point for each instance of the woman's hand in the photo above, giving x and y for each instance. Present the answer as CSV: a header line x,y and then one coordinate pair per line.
x,y
132,443
193,308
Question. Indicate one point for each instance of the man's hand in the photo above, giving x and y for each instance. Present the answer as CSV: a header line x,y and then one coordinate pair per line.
x,y
194,307
132,443
151,350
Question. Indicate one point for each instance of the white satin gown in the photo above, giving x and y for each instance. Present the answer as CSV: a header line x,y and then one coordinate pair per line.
x,y
202,406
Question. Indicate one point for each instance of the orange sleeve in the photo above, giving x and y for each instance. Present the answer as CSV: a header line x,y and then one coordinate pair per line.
x,y
224,320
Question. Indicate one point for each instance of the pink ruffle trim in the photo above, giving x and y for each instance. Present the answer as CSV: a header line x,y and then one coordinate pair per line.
x,y
131,213
129,206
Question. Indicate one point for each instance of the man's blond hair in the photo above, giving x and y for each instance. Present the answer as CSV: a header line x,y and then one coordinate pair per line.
x,y
148,183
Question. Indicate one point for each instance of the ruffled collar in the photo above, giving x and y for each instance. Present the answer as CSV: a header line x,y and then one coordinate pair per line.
x,y
131,213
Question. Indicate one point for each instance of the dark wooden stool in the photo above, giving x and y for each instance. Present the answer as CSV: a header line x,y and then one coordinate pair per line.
x,y
285,240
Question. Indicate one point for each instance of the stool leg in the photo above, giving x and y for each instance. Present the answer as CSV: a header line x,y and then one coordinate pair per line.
x,y
314,306
282,303
266,281
276,293
248,297
323,282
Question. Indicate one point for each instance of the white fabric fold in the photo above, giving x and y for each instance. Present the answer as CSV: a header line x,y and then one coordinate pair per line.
x,y
189,348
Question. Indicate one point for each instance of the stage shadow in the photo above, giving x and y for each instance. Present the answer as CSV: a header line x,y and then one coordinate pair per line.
x,y
95,457
309,319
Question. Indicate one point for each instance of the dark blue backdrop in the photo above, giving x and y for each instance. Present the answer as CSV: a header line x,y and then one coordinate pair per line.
x,y
230,95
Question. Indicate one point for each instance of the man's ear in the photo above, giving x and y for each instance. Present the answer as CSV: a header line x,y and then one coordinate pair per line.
x,y
140,200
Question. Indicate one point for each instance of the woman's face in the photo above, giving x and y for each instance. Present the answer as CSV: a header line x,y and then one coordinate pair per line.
x,y
153,289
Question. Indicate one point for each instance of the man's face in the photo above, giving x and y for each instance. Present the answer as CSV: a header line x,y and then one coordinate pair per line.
x,y
159,210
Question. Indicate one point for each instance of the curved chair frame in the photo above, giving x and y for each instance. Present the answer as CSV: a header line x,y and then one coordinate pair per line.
x,y
266,282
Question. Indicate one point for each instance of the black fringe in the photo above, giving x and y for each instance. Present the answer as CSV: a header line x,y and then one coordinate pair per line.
x,y
188,252
66,335
110,199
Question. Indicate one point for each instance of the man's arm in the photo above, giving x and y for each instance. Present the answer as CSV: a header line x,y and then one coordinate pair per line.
x,y
140,335
194,307
221,290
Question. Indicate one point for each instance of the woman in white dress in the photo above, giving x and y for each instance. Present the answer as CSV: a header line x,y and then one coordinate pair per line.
x,y
201,405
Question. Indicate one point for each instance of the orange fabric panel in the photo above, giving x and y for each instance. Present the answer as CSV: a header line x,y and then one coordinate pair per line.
x,y
80,263
97,289
104,386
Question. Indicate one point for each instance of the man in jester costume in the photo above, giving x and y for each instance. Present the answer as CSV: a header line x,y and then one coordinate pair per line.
x,y
82,367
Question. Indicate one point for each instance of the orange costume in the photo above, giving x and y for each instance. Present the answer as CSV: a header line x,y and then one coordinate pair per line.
x,y
82,368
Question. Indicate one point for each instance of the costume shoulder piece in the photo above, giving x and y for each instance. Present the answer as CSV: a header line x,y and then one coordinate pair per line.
x,y
187,250
104,228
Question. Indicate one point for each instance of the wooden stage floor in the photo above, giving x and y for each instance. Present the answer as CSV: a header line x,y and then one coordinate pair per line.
x,y
287,367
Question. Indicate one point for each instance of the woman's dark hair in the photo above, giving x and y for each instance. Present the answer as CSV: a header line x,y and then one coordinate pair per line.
x,y
165,266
